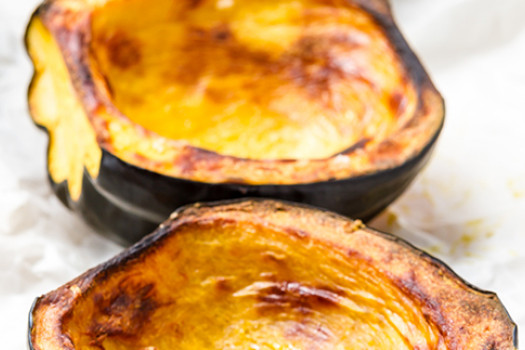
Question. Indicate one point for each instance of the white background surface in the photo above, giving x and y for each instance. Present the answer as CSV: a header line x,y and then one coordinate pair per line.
x,y
467,207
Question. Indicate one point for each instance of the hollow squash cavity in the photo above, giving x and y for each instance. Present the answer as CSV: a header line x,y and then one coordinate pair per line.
x,y
261,80
243,286
261,274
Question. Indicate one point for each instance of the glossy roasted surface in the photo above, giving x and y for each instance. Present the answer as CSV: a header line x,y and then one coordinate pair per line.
x,y
267,275
261,80
242,286
287,92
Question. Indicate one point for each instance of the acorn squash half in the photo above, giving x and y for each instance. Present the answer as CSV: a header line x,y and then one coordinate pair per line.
x,y
150,106
260,274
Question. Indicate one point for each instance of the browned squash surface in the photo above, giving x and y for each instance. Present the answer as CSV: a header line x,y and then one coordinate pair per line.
x,y
267,275
296,80
218,91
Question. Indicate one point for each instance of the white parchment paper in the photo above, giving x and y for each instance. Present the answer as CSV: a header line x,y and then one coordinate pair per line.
x,y
467,207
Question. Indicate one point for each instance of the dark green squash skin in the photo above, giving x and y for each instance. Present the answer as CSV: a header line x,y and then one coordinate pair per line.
x,y
126,202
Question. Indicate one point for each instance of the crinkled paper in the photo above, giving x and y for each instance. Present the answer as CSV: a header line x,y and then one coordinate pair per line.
x,y
467,207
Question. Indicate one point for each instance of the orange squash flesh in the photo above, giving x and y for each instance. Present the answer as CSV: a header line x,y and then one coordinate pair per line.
x,y
227,289
286,92
267,275
152,106
259,80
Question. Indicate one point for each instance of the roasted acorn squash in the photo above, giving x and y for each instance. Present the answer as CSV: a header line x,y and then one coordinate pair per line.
x,y
150,106
259,274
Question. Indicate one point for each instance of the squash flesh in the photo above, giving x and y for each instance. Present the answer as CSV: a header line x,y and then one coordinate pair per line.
x,y
262,274
232,286
325,71
55,106
293,80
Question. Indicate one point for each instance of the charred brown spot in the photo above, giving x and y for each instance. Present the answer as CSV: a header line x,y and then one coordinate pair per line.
x,y
192,4
221,33
216,35
317,63
431,308
223,284
490,345
204,52
123,51
398,103
124,313
293,296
